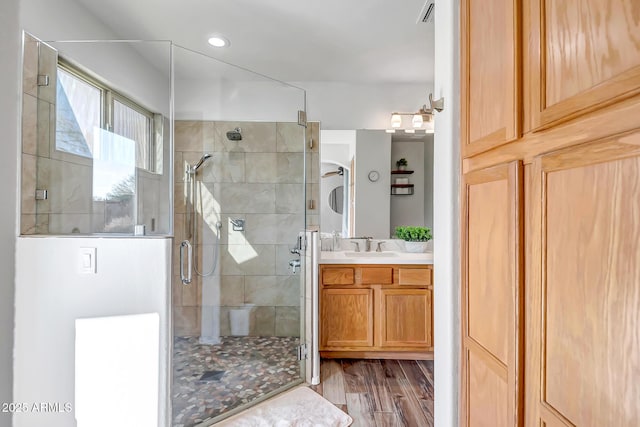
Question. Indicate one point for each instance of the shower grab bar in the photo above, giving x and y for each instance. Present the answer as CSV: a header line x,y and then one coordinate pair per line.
x,y
186,278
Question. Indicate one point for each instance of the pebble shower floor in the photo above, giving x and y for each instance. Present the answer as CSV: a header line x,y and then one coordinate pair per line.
x,y
235,372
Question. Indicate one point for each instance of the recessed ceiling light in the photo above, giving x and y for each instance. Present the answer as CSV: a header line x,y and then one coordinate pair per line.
x,y
218,41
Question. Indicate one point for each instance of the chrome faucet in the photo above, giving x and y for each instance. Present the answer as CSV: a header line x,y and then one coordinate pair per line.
x,y
367,243
380,243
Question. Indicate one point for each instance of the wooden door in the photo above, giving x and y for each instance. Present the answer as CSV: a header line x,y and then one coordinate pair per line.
x,y
489,73
347,318
583,289
491,298
405,318
582,55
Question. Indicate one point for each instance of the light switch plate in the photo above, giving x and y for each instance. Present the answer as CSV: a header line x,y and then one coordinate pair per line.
x,y
87,261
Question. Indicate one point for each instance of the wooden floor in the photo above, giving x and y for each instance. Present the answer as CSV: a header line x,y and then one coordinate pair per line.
x,y
380,393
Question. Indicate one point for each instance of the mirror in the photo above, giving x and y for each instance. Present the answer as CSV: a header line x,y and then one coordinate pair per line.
x,y
335,199
376,197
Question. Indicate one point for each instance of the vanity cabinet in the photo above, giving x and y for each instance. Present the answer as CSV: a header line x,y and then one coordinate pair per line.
x,y
376,311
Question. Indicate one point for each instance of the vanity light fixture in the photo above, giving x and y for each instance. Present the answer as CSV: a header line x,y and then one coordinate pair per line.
x,y
218,41
419,119
396,120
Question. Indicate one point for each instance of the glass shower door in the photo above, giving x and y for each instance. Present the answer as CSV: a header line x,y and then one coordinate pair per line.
x,y
240,191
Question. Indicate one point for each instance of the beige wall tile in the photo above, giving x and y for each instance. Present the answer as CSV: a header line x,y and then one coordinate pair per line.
x,y
176,290
178,168
290,198
225,167
29,124
48,65
186,321
28,224
290,137
194,136
179,197
261,167
313,131
283,256
42,224
190,292
262,321
28,184
256,137
272,290
248,198
290,168
273,228
232,290
30,66
247,259
225,323
43,129
287,321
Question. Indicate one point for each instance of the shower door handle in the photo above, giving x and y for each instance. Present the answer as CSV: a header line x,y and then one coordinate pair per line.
x,y
186,277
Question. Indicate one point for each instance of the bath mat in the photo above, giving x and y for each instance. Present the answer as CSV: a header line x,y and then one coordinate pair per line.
x,y
300,407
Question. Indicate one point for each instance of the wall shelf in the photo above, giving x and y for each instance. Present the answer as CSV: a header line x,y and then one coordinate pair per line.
x,y
401,189
405,172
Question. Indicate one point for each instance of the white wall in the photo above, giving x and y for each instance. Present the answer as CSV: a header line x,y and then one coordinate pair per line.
x,y
121,65
428,182
339,105
446,216
9,113
409,209
132,277
372,212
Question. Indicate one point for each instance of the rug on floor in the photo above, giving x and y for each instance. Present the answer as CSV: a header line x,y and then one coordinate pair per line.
x,y
300,407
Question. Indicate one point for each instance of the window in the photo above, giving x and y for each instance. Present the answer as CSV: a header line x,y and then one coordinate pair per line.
x,y
85,107
78,114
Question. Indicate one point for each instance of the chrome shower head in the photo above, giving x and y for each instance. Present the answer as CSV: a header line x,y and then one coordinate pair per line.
x,y
195,167
235,135
340,172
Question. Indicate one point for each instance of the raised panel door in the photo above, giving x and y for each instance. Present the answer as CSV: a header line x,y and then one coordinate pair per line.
x,y
406,318
491,297
585,293
489,74
582,55
347,318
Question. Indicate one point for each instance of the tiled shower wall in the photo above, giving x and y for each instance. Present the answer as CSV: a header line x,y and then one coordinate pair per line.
x,y
258,179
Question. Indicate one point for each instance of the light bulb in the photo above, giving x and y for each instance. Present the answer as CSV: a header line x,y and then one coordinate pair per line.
x,y
396,120
417,120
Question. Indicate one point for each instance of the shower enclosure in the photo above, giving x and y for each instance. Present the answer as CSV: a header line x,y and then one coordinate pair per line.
x,y
145,141
240,191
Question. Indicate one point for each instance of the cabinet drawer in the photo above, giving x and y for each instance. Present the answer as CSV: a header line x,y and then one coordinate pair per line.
x,y
415,276
377,275
338,276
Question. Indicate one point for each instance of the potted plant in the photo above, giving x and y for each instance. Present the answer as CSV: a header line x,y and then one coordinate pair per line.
x,y
401,164
415,238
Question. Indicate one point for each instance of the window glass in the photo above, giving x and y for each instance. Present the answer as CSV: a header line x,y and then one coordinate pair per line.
x,y
136,126
78,114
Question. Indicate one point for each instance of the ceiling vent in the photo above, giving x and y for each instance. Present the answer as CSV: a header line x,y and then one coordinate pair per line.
x,y
426,14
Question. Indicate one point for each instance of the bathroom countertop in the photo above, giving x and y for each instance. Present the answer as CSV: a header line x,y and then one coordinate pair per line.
x,y
347,257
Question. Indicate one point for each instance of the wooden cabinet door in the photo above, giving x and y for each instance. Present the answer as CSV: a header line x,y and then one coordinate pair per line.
x,y
405,318
489,74
491,298
347,318
582,55
583,286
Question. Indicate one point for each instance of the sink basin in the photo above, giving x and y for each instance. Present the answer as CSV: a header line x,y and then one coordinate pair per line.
x,y
369,254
